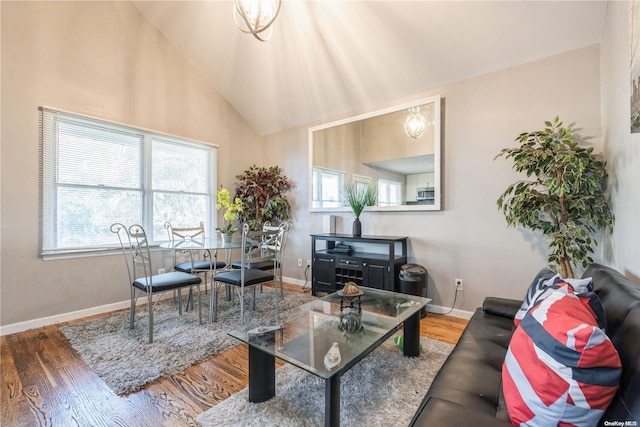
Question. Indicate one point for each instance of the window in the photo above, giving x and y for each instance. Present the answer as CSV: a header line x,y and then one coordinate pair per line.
x,y
327,188
95,173
361,182
389,193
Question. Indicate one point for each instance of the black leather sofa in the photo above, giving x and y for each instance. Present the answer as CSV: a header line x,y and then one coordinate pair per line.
x,y
468,389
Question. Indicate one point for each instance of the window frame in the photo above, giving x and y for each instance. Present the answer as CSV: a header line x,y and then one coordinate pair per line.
x,y
50,184
388,184
317,196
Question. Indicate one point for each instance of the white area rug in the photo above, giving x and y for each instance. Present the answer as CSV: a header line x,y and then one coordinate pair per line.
x,y
384,390
125,360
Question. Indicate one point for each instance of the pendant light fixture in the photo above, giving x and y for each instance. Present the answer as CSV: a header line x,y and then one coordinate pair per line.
x,y
256,17
415,124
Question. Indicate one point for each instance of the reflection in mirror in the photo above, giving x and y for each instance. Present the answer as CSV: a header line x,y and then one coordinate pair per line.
x,y
396,149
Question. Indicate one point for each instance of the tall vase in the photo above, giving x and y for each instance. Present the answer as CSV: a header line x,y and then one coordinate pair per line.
x,y
357,228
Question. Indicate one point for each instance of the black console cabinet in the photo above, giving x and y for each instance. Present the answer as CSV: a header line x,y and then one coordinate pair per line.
x,y
375,261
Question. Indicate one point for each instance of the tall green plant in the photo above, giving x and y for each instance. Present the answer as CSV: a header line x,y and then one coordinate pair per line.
x,y
262,191
564,198
358,197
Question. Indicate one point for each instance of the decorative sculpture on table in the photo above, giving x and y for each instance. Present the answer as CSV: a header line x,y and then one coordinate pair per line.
x,y
351,321
350,295
333,357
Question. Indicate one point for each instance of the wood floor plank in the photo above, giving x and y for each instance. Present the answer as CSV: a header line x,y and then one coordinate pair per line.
x,y
13,405
44,382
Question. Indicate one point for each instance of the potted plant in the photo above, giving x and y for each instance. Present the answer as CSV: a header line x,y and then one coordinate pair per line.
x,y
357,197
564,197
231,212
262,191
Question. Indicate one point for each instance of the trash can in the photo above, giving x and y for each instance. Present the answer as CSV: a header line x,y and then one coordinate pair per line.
x,y
413,281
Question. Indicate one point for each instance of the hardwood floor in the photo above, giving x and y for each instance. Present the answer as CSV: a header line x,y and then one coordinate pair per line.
x,y
46,383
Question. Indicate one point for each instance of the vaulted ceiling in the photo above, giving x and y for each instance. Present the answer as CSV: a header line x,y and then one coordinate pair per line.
x,y
332,57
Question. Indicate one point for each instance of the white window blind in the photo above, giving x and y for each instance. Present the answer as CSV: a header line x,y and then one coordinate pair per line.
x,y
95,173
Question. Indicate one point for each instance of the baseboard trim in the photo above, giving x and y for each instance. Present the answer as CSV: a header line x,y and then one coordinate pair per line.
x,y
73,315
297,282
438,309
64,317
107,308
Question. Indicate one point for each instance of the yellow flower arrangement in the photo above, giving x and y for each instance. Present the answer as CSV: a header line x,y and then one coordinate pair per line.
x,y
231,210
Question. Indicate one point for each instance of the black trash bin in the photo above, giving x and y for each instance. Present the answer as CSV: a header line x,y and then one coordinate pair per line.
x,y
413,281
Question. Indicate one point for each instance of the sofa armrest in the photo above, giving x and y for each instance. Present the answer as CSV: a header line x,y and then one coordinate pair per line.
x,y
503,307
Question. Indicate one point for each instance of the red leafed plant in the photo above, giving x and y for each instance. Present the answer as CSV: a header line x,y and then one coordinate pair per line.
x,y
262,191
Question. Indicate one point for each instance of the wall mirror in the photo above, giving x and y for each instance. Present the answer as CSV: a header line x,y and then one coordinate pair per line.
x,y
396,149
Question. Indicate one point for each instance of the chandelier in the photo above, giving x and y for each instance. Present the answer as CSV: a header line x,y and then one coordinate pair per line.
x,y
415,124
256,17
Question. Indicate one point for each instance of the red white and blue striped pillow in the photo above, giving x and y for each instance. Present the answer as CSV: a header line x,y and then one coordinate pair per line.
x,y
543,284
561,368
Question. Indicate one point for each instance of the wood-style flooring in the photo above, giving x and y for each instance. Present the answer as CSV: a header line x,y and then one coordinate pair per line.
x,y
46,383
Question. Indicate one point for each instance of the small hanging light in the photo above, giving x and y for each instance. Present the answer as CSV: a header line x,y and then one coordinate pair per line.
x,y
415,124
256,17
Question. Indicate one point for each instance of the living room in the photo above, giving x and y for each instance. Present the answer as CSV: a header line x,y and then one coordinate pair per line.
x,y
107,60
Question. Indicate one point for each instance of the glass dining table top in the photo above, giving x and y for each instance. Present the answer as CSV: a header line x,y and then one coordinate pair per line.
x,y
311,330
199,244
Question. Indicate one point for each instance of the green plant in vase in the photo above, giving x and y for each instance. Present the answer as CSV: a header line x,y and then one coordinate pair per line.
x,y
231,211
564,198
358,196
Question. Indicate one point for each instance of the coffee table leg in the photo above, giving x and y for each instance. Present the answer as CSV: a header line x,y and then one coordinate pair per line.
x,y
412,336
332,401
262,375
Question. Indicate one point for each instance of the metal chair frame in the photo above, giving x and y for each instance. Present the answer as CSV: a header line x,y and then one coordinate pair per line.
x,y
278,248
135,248
193,234
276,245
255,249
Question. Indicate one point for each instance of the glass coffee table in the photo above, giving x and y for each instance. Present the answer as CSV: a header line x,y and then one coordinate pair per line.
x,y
308,335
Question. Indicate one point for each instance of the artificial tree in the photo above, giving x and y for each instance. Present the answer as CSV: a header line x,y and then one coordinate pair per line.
x,y
262,191
564,197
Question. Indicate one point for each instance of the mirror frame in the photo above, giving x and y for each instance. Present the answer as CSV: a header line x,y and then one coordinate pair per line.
x,y
437,206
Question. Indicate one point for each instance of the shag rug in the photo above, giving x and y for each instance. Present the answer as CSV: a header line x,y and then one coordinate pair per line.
x,y
124,359
384,389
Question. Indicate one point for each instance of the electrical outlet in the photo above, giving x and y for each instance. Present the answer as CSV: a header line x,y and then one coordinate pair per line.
x,y
300,262
161,271
459,286
308,263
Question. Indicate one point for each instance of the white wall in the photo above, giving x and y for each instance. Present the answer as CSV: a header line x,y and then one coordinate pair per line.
x,y
469,239
622,148
102,59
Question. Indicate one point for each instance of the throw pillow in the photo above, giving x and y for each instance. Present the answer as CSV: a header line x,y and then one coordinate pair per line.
x,y
545,282
538,284
560,368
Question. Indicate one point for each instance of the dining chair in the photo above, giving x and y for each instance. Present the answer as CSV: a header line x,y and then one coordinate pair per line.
x,y
253,252
135,248
277,248
206,264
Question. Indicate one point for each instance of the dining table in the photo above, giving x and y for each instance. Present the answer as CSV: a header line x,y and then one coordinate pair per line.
x,y
212,244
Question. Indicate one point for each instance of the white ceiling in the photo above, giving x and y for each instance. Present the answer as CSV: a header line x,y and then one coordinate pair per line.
x,y
332,57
